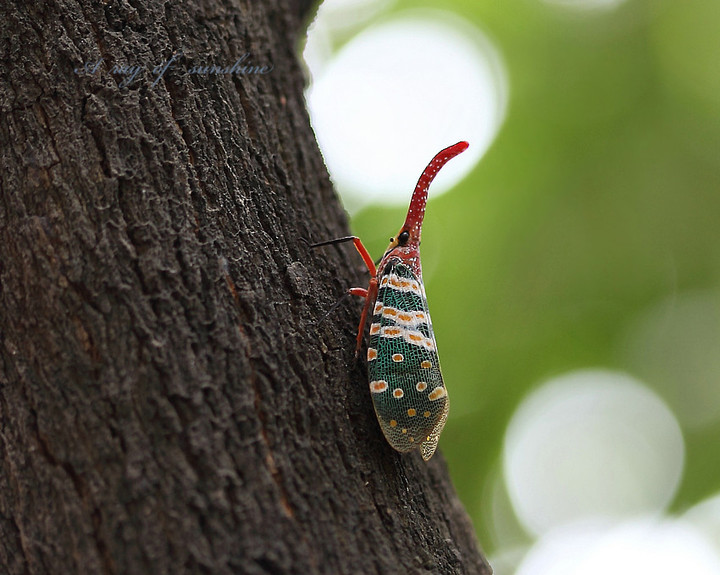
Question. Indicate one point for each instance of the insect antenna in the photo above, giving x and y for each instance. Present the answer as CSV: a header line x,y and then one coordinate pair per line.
x,y
329,242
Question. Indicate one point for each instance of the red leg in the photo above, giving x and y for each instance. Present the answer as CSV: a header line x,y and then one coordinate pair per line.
x,y
358,246
370,295
365,256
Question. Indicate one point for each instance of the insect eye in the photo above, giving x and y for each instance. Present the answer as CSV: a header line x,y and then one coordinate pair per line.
x,y
403,237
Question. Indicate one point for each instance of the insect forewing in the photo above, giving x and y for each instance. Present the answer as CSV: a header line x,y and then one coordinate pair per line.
x,y
406,385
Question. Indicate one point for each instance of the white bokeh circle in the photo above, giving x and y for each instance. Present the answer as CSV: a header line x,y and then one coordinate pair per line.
x,y
646,545
675,344
706,517
591,444
399,92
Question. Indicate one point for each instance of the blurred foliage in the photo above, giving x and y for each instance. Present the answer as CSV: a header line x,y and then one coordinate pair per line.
x,y
599,199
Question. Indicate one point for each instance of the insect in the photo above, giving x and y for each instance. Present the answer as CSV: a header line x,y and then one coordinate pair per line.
x,y
406,386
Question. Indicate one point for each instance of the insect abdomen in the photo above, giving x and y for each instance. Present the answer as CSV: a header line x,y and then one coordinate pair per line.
x,y
406,385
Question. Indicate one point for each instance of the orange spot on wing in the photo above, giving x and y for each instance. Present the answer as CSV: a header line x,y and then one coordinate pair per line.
x,y
378,386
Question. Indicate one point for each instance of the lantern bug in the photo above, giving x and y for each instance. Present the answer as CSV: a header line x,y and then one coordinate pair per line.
x,y
406,386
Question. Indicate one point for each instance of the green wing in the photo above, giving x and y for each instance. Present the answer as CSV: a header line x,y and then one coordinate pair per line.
x,y
406,385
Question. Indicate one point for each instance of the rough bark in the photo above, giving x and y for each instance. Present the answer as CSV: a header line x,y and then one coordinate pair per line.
x,y
167,402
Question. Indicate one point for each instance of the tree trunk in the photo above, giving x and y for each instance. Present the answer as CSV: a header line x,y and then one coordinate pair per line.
x,y
168,401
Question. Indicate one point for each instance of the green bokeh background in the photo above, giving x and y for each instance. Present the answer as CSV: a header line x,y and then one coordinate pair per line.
x,y
599,199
